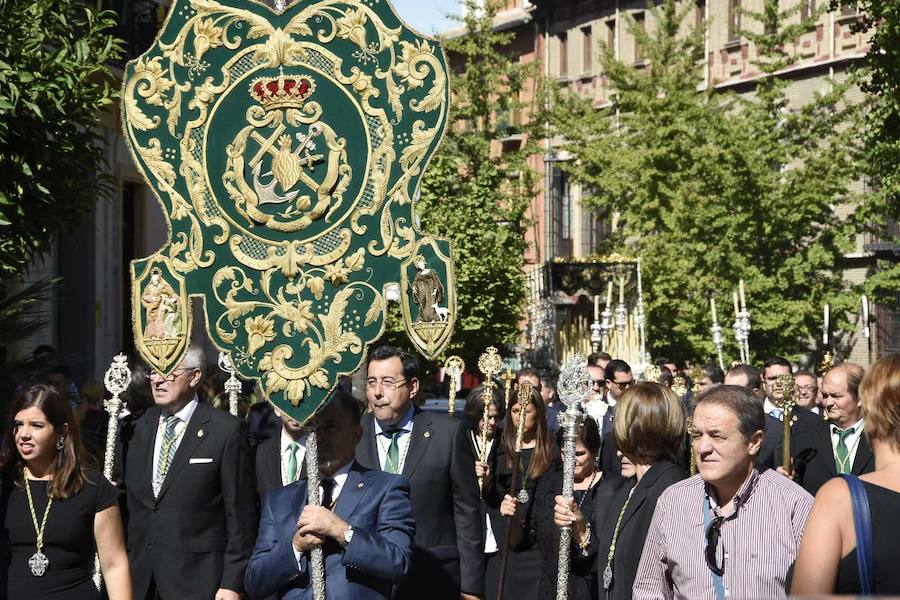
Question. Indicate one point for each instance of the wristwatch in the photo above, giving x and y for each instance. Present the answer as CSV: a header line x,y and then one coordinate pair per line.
x,y
348,535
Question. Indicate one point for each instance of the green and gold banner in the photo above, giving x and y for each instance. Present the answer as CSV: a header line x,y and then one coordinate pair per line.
x,y
285,142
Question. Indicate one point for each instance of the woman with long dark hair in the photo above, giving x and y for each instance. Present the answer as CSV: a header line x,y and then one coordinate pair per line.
x,y
474,413
516,502
57,512
582,579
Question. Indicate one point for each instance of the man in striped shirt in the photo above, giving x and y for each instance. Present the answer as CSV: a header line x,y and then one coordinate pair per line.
x,y
729,531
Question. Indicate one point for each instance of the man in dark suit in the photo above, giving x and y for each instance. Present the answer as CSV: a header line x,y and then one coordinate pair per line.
x,y
432,451
364,525
189,488
615,379
839,445
803,421
280,459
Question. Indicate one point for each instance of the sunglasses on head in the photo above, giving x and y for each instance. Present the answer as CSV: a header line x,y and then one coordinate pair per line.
x,y
713,533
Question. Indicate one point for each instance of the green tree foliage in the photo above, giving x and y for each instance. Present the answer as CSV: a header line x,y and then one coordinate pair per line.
x,y
478,195
54,81
710,188
881,19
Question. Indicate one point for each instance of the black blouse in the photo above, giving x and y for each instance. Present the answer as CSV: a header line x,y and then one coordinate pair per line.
x,y
884,504
68,539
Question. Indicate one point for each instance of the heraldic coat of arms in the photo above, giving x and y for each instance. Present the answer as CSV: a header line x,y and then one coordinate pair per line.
x,y
285,142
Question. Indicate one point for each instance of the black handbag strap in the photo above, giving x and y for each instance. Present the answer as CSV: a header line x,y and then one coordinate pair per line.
x,y
862,522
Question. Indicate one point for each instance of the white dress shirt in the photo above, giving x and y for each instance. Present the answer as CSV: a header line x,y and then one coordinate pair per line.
x,y
184,415
383,442
852,441
769,406
286,442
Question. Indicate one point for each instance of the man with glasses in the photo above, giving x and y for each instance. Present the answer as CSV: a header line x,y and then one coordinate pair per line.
x,y
804,421
433,452
614,380
748,523
190,493
807,387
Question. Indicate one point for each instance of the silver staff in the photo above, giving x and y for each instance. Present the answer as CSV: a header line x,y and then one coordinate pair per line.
x,y
117,379
232,385
573,388
316,557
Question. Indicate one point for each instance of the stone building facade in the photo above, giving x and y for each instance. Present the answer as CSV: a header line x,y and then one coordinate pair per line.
x,y
566,36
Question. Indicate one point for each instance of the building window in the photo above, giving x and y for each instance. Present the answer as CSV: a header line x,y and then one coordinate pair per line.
x,y
699,13
734,20
611,35
807,9
587,50
563,55
641,28
561,218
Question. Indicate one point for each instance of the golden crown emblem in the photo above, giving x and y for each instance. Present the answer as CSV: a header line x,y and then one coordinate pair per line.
x,y
282,91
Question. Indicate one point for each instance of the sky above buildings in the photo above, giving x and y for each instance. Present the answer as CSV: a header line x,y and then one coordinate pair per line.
x,y
428,16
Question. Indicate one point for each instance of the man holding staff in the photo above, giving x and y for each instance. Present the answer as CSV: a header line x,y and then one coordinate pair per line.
x,y
431,450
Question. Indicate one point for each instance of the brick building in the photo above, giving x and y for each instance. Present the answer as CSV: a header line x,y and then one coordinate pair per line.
x,y
565,35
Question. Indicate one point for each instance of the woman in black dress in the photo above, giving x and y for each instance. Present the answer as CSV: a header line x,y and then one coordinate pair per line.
x,y
474,412
648,430
582,579
57,513
828,558
517,503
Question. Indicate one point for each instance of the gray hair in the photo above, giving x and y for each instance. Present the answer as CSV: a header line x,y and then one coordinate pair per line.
x,y
739,400
194,358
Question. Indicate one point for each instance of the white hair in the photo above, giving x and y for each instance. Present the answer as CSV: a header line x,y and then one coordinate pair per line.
x,y
194,358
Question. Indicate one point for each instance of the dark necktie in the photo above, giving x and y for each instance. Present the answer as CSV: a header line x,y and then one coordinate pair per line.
x,y
327,492
842,457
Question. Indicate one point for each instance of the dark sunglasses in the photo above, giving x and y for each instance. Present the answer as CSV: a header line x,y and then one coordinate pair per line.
x,y
713,533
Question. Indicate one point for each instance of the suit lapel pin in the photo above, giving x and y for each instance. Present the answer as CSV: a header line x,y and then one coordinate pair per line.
x,y
199,433
359,485
427,434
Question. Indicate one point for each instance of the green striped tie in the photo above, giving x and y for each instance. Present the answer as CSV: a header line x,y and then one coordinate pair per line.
x,y
167,451
842,452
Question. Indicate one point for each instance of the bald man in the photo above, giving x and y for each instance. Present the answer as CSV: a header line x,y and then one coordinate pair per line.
x,y
838,446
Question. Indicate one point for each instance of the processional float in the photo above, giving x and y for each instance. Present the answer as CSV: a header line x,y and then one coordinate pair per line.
x,y
285,142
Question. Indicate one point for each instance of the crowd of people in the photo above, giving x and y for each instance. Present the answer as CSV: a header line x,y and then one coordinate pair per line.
x,y
419,504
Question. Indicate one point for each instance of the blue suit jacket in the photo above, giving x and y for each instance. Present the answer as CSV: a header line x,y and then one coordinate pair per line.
x,y
374,503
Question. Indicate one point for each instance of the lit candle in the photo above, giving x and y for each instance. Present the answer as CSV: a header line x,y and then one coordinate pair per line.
x,y
737,308
865,316
712,308
621,290
596,307
825,323
743,297
609,293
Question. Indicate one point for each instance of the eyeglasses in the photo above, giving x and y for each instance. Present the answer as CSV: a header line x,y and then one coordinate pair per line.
x,y
624,384
387,383
712,545
171,376
597,384
805,388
